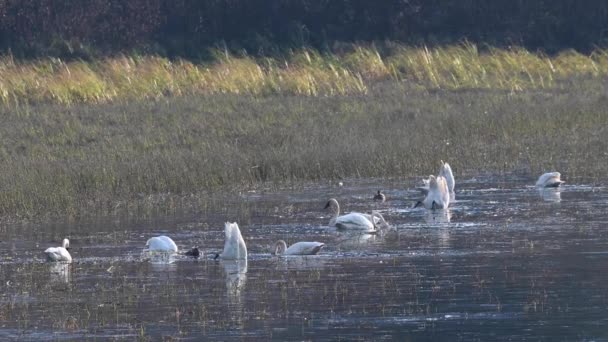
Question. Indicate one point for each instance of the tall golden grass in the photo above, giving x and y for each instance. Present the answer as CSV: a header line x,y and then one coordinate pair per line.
x,y
304,72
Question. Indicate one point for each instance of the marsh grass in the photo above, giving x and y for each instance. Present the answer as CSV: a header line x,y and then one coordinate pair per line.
x,y
349,71
85,159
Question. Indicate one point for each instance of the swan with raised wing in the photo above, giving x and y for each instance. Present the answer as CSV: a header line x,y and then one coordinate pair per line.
x,y
438,196
446,172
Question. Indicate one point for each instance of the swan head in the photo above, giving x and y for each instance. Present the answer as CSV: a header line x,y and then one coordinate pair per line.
x,y
280,247
65,243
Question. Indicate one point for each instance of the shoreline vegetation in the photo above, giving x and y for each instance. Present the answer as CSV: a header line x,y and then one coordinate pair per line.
x,y
352,70
88,138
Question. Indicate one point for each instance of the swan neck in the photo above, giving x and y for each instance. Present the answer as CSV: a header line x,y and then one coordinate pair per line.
x,y
280,247
336,209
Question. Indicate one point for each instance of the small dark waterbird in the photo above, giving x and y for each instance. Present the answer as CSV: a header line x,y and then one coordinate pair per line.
x,y
194,252
380,196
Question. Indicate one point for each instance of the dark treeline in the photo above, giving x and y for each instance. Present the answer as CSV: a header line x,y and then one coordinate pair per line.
x,y
82,28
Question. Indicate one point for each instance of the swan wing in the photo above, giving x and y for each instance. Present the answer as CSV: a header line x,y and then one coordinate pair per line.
x,y
304,248
161,243
58,254
153,243
52,253
446,172
169,243
354,221
444,192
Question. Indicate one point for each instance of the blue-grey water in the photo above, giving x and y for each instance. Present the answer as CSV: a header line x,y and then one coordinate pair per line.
x,y
505,262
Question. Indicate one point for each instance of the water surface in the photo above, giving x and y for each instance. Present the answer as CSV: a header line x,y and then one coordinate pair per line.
x,y
505,262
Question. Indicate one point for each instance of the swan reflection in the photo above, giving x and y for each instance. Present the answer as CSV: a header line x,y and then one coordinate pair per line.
x,y
299,262
60,272
441,216
236,277
550,194
354,239
159,257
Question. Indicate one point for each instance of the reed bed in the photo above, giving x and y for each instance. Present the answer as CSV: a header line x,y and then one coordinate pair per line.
x,y
98,158
306,72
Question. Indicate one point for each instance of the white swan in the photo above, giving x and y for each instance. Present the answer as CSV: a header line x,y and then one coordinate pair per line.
x,y
162,244
234,246
355,221
59,253
549,180
438,196
298,248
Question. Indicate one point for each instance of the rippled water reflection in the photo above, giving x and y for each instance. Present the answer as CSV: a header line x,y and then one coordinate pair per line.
x,y
505,262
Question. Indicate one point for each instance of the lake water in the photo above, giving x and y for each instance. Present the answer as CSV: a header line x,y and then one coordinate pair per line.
x,y
505,262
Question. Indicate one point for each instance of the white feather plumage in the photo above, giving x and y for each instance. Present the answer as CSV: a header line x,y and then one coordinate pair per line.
x,y
60,254
234,245
298,248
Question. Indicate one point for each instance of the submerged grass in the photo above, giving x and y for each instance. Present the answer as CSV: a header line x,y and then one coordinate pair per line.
x,y
84,158
350,70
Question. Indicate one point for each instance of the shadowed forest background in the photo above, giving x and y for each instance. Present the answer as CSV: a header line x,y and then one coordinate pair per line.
x,y
81,29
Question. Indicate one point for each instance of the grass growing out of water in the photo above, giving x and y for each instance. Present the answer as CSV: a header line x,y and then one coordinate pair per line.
x,y
351,71
102,158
